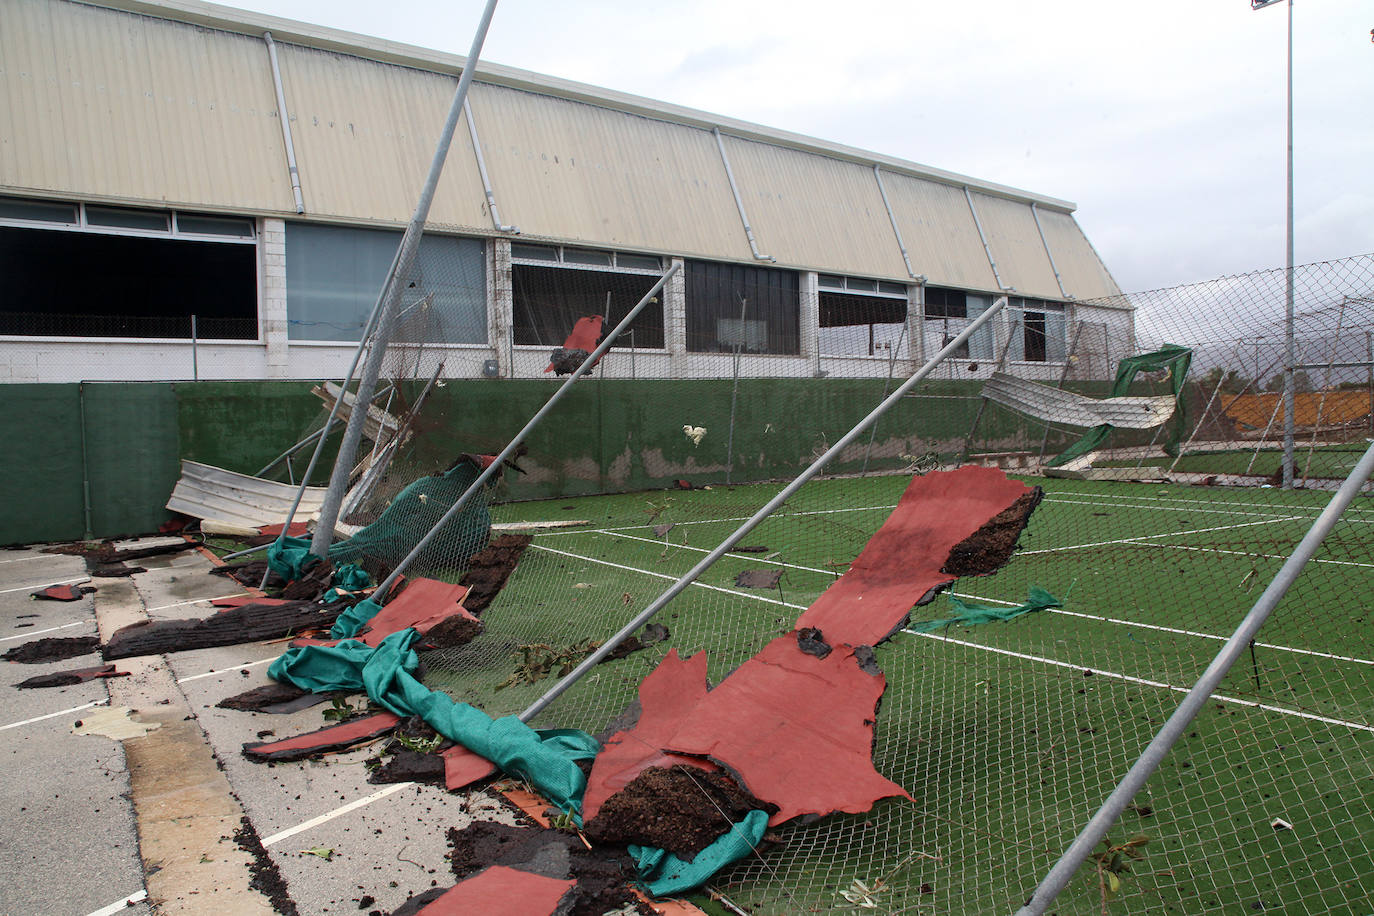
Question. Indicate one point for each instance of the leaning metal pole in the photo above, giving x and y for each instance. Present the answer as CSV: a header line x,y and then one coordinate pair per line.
x,y
783,495
380,594
1135,778
391,294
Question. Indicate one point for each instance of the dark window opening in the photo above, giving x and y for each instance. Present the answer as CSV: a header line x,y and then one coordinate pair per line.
x,y
945,303
74,284
731,307
855,325
549,300
1035,338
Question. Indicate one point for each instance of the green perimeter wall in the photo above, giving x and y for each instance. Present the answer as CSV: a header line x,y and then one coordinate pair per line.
x,y
100,459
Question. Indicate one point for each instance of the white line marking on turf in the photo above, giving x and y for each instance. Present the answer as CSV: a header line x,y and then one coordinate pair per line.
x,y
48,630
659,575
1258,556
54,715
196,677
119,905
1167,534
337,812
750,558
715,521
38,585
1147,682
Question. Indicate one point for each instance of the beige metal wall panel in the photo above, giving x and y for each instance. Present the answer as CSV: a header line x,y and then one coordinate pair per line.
x,y
127,107
1080,269
567,170
365,134
813,211
1022,262
939,232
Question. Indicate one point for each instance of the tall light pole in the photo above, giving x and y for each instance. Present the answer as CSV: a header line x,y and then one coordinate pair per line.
x,y
1290,354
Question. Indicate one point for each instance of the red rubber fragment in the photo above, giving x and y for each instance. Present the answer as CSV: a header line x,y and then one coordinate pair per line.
x,y
325,740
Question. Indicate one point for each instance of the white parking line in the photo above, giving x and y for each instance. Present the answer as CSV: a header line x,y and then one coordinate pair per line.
x,y
196,677
48,630
337,812
38,585
54,715
163,607
119,905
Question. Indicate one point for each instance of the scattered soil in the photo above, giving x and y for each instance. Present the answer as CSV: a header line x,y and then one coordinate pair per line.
x,y
452,632
106,554
52,649
266,880
248,573
988,548
313,583
758,578
681,809
259,697
489,569
397,762
603,874
112,570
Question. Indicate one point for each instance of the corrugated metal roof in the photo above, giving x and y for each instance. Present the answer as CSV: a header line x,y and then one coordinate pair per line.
x,y
1080,269
815,211
1015,243
173,103
130,108
573,171
939,231
365,135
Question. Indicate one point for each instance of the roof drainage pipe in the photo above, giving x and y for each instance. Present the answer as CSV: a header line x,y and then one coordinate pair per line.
x,y
739,201
482,171
285,117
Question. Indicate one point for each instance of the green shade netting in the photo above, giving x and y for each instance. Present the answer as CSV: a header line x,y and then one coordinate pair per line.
x,y
1176,360
411,515
664,873
974,614
351,621
350,577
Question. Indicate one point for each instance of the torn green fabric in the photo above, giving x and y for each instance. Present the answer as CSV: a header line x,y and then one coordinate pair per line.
x,y
973,614
664,874
290,557
546,759
1176,361
347,624
349,577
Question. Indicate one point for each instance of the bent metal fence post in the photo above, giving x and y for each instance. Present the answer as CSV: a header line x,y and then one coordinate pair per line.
x,y
1169,734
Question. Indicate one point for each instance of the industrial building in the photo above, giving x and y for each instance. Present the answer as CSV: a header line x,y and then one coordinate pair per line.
x,y
163,160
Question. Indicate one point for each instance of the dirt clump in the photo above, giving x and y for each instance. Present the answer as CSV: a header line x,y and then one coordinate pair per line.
x,y
52,649
988,548
603,874
489,568
680,808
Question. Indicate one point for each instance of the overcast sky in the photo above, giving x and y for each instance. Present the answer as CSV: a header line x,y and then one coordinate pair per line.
x,y
1163,121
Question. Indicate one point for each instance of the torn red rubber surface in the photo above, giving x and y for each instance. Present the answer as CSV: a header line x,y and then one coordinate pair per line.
x,y
796,730
666,697
501,891
424,604
241,600
463,767
901,564
585,334
298,530
324,741
59,593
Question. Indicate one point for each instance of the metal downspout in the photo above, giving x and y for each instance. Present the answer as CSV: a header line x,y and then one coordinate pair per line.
x,y
739,202
1049,254
892,217
978,224
482,171
285,117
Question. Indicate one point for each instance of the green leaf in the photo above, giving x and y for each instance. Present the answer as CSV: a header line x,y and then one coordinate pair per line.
x,y
324,852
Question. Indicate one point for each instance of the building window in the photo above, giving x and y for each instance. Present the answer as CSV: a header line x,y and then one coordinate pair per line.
x,y
860,317
87,270
1037,331
946,315
731,307
554,285
334,275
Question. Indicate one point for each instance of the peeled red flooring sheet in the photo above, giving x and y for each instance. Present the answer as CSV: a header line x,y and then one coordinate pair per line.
x,y
424,604
901,564
325,740
796,728
501,891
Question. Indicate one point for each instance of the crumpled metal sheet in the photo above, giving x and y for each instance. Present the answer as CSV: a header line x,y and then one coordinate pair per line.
x,y
1054,405
207,492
